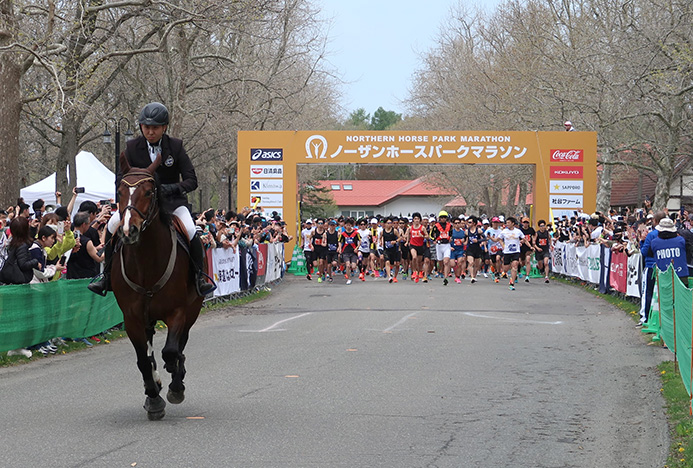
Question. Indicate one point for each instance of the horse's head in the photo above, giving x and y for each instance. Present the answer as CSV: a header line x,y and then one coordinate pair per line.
x,y
138,199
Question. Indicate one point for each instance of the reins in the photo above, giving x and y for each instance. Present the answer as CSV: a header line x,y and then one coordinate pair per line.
x,y
153,207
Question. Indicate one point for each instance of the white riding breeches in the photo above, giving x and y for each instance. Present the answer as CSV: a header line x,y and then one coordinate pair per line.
x,y
181,213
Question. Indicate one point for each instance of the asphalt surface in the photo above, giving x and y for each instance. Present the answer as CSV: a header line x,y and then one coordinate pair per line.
x,y
366,375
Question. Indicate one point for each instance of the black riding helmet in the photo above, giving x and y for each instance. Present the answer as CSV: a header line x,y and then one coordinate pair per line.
x,y
153,113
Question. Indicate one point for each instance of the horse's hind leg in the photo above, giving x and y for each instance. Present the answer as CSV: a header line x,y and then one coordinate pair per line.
x,y
141,341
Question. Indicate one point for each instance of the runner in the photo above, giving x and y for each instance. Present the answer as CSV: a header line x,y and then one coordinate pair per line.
x,y
319,239
512,238
376,255
475,239
332,255
403,248
390,245
542,249
441,237
348,244
364,250
495,247
429,250
527,247
416,234
458,258
306,234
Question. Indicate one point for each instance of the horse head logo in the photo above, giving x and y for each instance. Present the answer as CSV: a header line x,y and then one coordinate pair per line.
x,y
316,147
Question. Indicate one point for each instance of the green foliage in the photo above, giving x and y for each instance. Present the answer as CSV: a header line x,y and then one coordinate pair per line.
x,y
316,201
382,119
678,412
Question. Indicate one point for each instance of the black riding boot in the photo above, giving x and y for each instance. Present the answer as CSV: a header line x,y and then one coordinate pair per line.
x,y
197,258
103,285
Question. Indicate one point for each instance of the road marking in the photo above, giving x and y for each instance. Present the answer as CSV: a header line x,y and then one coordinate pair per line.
x,y
506,319
271,327
404,319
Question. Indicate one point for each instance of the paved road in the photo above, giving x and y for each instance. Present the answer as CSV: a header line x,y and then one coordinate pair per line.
x,y
366,375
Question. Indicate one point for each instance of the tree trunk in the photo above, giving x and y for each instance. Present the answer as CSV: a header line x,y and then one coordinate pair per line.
x,y
10,110
604,183
69,146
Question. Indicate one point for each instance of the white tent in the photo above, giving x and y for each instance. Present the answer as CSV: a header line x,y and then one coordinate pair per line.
x,y
98,182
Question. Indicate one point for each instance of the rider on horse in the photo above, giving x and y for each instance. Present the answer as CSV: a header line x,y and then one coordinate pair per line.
x,y
177,177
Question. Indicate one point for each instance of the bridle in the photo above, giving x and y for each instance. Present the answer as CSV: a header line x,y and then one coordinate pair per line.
x,y
153,210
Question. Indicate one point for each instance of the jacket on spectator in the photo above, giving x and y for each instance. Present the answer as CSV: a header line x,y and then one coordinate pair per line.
x,y
668,248
645,248
59,248
24,261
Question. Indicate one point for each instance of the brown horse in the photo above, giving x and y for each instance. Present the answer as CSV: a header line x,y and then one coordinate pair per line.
x,y
151,280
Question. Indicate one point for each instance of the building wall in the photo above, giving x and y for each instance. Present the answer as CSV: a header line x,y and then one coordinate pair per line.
x,y
681,192
401,205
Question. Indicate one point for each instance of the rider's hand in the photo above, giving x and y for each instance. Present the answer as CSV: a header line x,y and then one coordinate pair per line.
x,y
171,190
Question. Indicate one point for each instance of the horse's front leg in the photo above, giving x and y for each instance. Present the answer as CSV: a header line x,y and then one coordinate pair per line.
x,y
141,339
174,358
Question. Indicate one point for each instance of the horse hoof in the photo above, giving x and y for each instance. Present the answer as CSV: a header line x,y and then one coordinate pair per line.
x,y
155,407
175,397
156,415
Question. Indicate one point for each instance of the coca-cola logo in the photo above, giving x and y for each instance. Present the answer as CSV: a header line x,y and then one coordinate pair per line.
x,y
573,155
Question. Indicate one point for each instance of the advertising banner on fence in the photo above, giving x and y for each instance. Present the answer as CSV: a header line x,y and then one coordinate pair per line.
x,y
227,271
262,259
275,262
634,275
618,272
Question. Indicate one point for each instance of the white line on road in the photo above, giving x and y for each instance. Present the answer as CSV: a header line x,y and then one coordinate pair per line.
x,y
473,314
404,319
275,324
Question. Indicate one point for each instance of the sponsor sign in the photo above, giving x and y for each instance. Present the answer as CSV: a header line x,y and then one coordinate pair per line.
x,y
266,154
266,171
569,155
264,200
266,185
565,201
566,172
563,186
267,213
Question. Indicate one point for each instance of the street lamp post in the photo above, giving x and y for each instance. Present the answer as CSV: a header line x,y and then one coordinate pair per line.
x,y
107,140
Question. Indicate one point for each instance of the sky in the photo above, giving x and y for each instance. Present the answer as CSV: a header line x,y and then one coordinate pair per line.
x,y
376,46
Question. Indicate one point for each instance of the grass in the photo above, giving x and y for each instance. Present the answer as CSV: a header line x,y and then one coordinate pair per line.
x,y
117,333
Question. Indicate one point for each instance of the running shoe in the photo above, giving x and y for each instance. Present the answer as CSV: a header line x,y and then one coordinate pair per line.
x,y
511,286
319,279
546,280
504,275
445,282
415,277
390,280
458,281
526,279
425,279
346,276
308,277
329,279
20,352
496,280
394,280
348,281
473,280
485,275
377,274
463,276
362,277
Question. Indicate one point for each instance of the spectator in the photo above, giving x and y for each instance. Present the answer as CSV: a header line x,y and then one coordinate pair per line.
x,y
568,126
84,261
648,282
4,240
19,266
39,207
670,248
65,238
45,240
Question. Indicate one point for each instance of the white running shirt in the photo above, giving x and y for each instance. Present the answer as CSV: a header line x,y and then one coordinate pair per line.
x,y
511,239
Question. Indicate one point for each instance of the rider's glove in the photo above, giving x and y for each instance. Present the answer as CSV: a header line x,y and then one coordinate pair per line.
x,y
171,190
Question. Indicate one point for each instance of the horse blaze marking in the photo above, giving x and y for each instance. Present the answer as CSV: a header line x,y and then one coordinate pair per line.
x,y
126,221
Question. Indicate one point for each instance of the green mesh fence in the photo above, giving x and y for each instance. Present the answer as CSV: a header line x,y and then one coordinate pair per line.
x,y
34,313
675,303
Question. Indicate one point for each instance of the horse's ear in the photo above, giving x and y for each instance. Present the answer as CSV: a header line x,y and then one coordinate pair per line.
x,y
155,165
124,164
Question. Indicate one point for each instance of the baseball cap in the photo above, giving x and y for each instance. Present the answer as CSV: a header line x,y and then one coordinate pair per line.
x,y
309,221
374,220
432,220
495,219
485,221
568,122
332,221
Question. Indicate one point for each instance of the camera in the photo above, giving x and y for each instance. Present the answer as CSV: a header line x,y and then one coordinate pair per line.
x,y
79,189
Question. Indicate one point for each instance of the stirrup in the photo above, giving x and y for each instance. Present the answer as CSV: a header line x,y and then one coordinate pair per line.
x,y
199,281
99,286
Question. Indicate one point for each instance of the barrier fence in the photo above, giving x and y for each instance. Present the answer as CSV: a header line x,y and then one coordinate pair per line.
x,y
35,313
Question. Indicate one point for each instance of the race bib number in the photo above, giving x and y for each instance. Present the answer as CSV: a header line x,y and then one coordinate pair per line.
x,y
390,245
543,242
495,249
512,248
